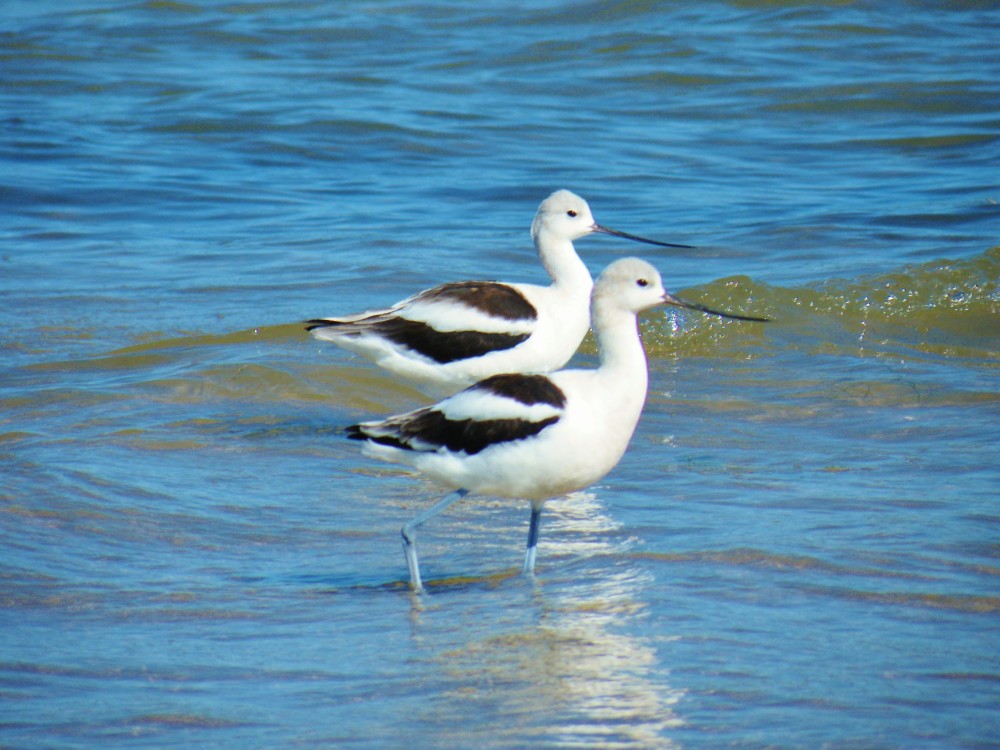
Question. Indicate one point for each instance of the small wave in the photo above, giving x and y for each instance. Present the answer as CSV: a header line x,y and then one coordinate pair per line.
x,y
758,558
966,603
800,564
945,308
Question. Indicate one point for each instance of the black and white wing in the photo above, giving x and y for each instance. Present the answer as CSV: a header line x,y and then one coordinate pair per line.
x,y
445,324
500,409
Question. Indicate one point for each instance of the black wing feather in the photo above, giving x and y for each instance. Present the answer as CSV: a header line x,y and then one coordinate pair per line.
x,y
430,429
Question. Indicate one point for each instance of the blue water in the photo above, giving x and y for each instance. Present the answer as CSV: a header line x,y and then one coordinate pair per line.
x,y
801,548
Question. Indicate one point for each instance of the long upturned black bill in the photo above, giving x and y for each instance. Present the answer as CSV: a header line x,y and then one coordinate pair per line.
x,y
670,299
635,238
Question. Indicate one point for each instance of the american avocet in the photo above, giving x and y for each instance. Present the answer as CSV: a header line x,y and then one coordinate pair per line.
x,y
454,335
534,436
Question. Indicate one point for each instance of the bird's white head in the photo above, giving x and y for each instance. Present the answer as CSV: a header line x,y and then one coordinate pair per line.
x,y
563,216
630,284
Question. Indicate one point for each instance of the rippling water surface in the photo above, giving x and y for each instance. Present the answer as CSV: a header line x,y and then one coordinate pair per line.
x,y
801,548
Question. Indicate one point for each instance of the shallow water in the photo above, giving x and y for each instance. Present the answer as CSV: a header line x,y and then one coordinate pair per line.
x,y
801,547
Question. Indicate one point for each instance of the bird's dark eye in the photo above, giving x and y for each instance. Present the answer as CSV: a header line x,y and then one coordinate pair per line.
x,y
571,214
642,282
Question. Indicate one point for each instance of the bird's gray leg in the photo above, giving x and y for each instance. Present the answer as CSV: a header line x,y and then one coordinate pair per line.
x,y
409,532
529,555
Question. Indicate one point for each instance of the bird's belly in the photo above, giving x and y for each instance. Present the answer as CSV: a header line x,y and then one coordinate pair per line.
x,y
533,469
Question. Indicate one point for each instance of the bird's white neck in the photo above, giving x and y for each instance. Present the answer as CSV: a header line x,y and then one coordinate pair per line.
x,y
561,262
623,359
